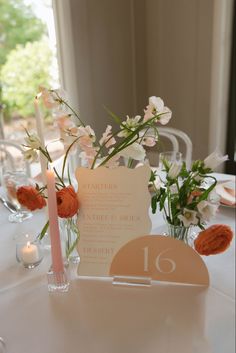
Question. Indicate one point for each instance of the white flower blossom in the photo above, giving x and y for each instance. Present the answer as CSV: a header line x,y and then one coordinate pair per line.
x,y
173,189
207,210
174,170
51,98
86,131
156,107
128,126
30,155
214,160
33,141
158,183
134,151
165,116
148,138
107,137
188,217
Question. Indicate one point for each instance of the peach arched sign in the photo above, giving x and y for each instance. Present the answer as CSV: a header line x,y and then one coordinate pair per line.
x,y
162,259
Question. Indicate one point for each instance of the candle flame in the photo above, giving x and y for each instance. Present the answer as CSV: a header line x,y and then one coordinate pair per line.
x,y
28,244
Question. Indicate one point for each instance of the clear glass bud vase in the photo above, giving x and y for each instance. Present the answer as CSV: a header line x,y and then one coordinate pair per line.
x,y
70,237
186,234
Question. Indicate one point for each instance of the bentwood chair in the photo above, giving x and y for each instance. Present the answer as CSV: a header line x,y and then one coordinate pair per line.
x,y
178,140
178,137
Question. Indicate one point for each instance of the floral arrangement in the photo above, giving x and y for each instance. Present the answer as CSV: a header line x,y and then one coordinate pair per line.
x,y
127,141
125,145
187,198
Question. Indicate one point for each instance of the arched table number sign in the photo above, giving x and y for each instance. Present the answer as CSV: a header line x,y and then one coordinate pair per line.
x,y
155,257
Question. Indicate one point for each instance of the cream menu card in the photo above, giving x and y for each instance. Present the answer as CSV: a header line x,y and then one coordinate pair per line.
x,y
114,206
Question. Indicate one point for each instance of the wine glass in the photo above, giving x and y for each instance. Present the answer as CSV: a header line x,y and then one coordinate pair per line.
x,y
12,181
2,345
170,157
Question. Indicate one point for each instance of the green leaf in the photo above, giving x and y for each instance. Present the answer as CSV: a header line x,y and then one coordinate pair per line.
x,y
116,118
43,231
153,176
154,204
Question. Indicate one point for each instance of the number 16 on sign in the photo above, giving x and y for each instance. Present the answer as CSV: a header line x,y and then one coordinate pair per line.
x,y
159,261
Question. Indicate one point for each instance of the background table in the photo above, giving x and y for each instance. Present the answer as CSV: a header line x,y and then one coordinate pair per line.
x,y
96,316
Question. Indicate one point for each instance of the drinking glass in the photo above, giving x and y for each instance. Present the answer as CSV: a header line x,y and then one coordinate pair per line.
x,y
170,157
12,181
2,345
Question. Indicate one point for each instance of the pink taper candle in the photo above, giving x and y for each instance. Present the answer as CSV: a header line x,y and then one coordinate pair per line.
x,y
57,262
40,131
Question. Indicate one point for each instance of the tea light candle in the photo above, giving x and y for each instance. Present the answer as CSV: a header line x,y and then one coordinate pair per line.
x,y
29,253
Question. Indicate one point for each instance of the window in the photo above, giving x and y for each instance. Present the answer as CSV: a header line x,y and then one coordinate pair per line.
x,y
27,60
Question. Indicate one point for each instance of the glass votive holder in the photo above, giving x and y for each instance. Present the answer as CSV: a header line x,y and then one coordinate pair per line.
x,y
29,251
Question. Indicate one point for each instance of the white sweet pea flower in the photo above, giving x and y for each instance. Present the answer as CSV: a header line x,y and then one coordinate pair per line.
x,y
134,151
30,155
149,141
148,138
214,160
107,137
207,210
189,217
51,98
33,141
174,170
68,136
128,126
165,116
158,183
213,197
156,107
87,131
157,103
86,137
63,122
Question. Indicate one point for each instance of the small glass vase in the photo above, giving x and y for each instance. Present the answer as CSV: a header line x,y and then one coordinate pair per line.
x,y
186,234
70,237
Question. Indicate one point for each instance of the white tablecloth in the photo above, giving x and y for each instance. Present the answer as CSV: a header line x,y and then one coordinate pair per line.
x,y
96,316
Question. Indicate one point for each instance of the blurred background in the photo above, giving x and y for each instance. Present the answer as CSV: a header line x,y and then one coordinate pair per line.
x,y
117,54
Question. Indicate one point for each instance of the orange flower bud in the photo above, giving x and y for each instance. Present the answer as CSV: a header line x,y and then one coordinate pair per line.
x,y
67,202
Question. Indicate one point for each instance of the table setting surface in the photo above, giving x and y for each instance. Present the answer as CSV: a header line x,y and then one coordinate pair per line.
x,y
97,316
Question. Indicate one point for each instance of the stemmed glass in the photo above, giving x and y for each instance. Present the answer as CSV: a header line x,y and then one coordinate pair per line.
x,y
2,345
170,157
12,181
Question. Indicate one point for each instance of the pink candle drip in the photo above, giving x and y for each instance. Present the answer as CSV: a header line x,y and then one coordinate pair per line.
x,y
57,262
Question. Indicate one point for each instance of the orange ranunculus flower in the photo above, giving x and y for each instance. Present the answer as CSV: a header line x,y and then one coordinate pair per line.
x,y
213,240
67,202
30,197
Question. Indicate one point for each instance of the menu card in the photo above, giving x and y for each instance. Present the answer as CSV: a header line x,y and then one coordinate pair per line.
x,y
114,205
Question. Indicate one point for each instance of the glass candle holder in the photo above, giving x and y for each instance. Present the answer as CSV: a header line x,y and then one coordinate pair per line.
x,y
58,281
29,251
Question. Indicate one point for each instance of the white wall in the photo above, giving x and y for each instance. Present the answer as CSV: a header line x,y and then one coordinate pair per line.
x,y
124,51
179,40
104,70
